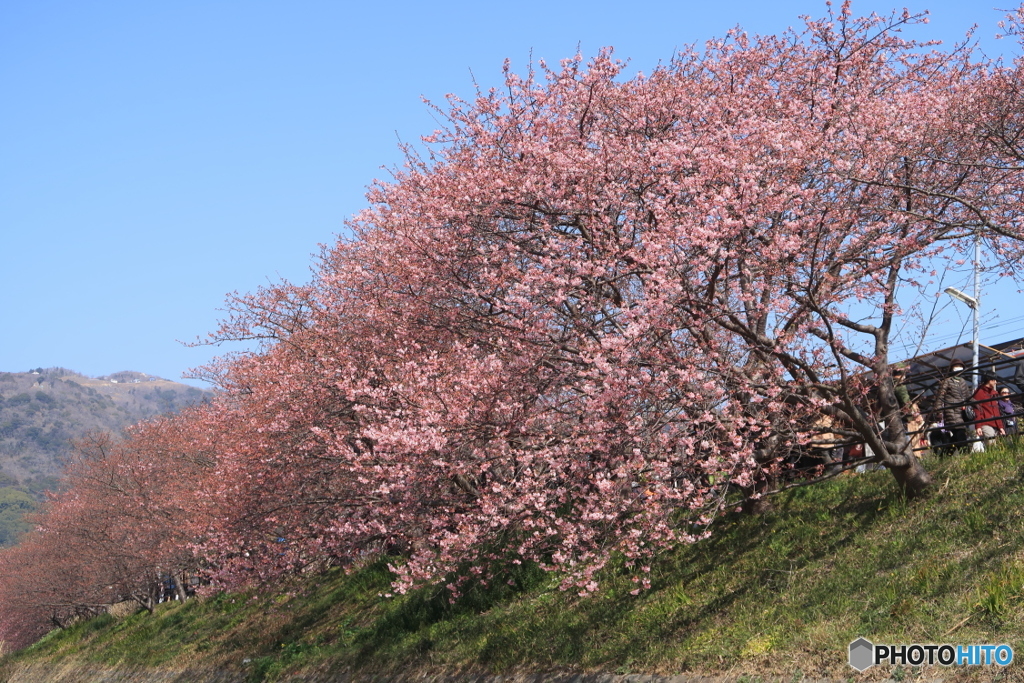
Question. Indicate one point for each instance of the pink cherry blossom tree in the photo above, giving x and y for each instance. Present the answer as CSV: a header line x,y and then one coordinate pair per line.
x,y
593,307
127,518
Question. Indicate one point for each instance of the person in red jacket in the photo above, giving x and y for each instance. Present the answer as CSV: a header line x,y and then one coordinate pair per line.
x,y
989,418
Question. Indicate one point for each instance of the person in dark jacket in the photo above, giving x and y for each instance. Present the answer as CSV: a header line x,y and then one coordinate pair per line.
x,y
953,395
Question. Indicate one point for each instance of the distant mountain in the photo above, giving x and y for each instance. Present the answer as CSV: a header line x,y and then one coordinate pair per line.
x,y
42,410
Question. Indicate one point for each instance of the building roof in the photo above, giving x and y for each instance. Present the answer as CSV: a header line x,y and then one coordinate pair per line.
x,y
1004,360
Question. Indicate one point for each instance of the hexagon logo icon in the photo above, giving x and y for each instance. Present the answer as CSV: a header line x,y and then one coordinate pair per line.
x,y
862,654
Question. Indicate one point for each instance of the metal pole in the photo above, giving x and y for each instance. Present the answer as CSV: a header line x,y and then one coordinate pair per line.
x,y
977,298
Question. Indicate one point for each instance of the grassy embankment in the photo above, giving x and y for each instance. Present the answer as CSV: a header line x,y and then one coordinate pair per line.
x,y
782,593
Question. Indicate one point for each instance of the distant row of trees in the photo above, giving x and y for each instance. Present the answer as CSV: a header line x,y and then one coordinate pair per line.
x,y
593,313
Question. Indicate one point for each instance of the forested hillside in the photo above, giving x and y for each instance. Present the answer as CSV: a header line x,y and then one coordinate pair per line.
x,y
42,410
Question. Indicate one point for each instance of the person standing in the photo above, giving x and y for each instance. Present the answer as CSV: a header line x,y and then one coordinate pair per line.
x,y
950,401
989,420
1009,410
912,419
899,382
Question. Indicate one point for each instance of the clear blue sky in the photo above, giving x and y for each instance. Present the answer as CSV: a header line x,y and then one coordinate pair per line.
x,y
155,156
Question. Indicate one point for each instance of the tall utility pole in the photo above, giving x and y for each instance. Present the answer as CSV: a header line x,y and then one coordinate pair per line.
x,y
977,299
975,303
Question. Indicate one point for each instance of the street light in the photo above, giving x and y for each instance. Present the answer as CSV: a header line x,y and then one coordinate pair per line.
x,y
960,296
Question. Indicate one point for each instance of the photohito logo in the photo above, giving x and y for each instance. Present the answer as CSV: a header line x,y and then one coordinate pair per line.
x,y
864,654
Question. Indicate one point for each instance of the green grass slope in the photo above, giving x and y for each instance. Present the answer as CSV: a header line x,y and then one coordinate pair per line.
x,y
776,595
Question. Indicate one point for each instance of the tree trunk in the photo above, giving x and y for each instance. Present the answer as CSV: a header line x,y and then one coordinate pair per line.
x,y
756,506
145,600
179,587
913,479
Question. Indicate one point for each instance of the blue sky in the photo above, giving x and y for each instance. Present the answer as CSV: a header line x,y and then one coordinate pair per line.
x,y
155,156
